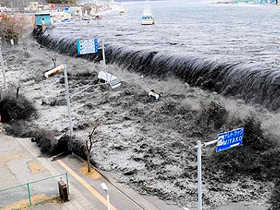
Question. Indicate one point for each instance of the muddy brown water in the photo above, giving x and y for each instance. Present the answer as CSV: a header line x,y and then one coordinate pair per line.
x,y
149,142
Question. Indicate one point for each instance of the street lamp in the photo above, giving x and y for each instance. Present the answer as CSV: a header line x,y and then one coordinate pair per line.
x,y
105,188
58,69
3,66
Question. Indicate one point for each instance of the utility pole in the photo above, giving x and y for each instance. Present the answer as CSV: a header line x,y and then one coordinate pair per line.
x,y
50,73
199,181
68,101
104,59
103,53
23,3
2,65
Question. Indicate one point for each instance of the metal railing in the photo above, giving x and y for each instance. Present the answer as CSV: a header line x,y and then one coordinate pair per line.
x,y
32,193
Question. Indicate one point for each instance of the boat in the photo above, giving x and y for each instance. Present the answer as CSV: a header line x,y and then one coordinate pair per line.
x,y
122,12
147,18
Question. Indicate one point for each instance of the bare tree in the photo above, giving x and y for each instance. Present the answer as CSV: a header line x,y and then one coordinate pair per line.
x,y
15,27
89,143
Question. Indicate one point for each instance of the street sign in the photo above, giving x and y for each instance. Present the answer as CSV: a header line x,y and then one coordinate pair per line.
x,y
87,46
230,139
225,141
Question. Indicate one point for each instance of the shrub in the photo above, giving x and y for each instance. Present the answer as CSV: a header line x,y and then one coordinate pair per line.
x,y
16,108
77,147
252,159
45,141
270,162
253,135
19,128
275,197
213,113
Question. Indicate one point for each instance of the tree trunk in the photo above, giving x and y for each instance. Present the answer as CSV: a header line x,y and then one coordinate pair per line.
x,y
88,161
17,92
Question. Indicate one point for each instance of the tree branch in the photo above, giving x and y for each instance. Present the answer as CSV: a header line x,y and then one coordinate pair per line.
x,y
90,136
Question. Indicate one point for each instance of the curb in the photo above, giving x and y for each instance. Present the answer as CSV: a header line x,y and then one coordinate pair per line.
x,y
112,182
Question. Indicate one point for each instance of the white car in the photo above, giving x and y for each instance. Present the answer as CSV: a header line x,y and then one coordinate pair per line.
x,y
109,78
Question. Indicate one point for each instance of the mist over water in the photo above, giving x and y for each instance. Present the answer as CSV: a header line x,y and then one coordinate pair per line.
x,y
230,49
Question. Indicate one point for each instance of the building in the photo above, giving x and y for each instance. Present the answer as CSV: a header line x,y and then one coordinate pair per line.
x,y
3,9
33,6
58,16
76,12
43,19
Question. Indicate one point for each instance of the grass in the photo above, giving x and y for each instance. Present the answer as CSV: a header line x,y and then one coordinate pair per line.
x,y
24,203
94,175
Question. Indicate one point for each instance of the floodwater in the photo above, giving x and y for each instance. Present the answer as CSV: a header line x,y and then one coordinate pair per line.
x,y
239,32
231,49
228,49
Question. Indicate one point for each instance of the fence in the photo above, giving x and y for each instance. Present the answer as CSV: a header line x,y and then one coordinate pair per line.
x,y
31,193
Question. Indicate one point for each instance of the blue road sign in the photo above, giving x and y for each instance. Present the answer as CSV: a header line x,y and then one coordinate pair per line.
x,y
230,139
87,46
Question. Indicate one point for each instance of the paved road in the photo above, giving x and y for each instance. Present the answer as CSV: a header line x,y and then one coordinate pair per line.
x,y
21,162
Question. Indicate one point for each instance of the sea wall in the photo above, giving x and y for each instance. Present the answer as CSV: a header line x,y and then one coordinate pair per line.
x,y
251,83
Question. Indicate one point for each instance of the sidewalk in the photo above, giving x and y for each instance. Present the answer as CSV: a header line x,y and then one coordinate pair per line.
x,y
20,163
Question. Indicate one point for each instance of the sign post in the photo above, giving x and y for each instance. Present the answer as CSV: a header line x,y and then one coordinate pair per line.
x,y
103,54
225,141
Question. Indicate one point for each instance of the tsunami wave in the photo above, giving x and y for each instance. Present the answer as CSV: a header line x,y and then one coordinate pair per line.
x,y
253,84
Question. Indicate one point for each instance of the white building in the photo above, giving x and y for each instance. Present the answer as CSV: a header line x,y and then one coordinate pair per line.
x,y
3,9
33,6
76,12
58,16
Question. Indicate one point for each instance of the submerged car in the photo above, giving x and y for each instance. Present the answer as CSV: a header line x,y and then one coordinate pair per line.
x,y
105,77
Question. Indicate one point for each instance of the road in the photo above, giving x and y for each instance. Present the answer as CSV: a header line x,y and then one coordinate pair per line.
x,y
21,162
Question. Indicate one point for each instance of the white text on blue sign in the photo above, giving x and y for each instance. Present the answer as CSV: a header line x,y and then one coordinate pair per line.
x,y
230,139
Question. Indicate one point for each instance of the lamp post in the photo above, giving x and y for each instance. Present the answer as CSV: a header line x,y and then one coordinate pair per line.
x,y
105,188
52,72
68,101
2,65
199,182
